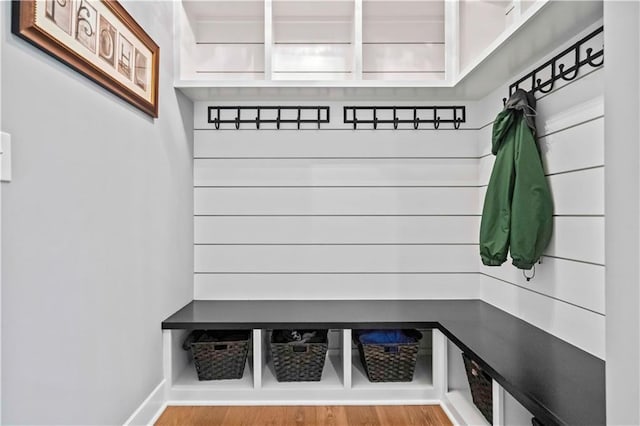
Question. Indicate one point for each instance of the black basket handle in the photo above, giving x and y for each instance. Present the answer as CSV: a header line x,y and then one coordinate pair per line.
x,y
299,348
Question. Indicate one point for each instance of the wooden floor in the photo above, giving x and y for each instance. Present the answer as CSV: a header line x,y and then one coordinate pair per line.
x,y
423,415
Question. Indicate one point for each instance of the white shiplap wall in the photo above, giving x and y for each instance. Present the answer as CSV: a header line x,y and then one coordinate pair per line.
x,y
343,214
566,297
335,213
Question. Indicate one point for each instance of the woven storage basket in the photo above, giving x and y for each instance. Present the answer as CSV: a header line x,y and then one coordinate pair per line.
x,y
389,362
299,363
481,388
220,360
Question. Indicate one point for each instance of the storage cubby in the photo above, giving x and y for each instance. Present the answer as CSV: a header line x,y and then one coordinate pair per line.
x,y
221,40
186,377
422,377
313,40
343,378
403,40
332,374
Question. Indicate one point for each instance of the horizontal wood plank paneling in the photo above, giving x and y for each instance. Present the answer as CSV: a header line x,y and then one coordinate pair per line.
x,y
576,193
334,172
578,238
565,100
332,143
336,258
450,201
336,286
337,229
573,324
566,296
577,147
577,283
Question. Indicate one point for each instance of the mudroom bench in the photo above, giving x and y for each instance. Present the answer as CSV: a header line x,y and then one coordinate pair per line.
x,y
556,382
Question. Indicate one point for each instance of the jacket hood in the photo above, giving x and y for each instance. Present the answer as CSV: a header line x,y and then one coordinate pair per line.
x,y
520,101
525,102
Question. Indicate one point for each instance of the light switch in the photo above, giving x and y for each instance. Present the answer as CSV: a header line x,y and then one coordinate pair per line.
x,y
5,157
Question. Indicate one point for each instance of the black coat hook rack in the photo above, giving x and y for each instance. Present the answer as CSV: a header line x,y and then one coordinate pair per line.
x,y
578,55
396,115
274,115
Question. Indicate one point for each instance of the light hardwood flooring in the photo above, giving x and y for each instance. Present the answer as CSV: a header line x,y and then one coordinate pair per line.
x,y
411,415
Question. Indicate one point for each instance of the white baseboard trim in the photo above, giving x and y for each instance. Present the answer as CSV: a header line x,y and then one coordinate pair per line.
x,y
450,412
461,411
150,409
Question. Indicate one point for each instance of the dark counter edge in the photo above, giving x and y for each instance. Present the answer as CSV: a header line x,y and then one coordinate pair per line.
x,y
535,407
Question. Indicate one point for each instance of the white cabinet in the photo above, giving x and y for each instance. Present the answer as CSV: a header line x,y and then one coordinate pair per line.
x,y
433,45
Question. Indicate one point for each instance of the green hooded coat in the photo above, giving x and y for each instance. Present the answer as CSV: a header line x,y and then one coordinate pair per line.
x,y
518,208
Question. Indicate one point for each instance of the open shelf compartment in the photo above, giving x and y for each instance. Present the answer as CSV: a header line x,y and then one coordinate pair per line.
x,y
221,40
403,40
313,40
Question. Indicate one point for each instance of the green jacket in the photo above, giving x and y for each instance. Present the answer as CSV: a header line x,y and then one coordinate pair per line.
x,y
518,208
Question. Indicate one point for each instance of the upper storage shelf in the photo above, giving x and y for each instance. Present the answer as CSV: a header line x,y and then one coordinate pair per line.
x,y
403,40
312,40
434,45
221,40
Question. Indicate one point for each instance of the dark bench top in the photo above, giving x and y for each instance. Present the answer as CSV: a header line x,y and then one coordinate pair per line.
x,y
556,381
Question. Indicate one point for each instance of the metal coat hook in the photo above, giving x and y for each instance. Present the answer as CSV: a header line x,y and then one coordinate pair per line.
x,y
550,82
456,120
565,74
591,57
396,115
562,72
260,119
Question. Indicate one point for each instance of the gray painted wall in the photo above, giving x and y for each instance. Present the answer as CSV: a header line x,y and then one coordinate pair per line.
x,y
97,235
622,186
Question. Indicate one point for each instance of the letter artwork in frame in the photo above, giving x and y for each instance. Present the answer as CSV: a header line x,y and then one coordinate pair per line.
x,y
97,38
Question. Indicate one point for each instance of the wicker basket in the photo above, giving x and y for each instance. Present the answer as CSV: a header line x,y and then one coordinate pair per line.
x,y
481,388
220,360
300,362
389,362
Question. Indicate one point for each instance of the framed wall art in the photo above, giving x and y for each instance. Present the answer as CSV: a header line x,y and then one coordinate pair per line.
x,y
97,38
